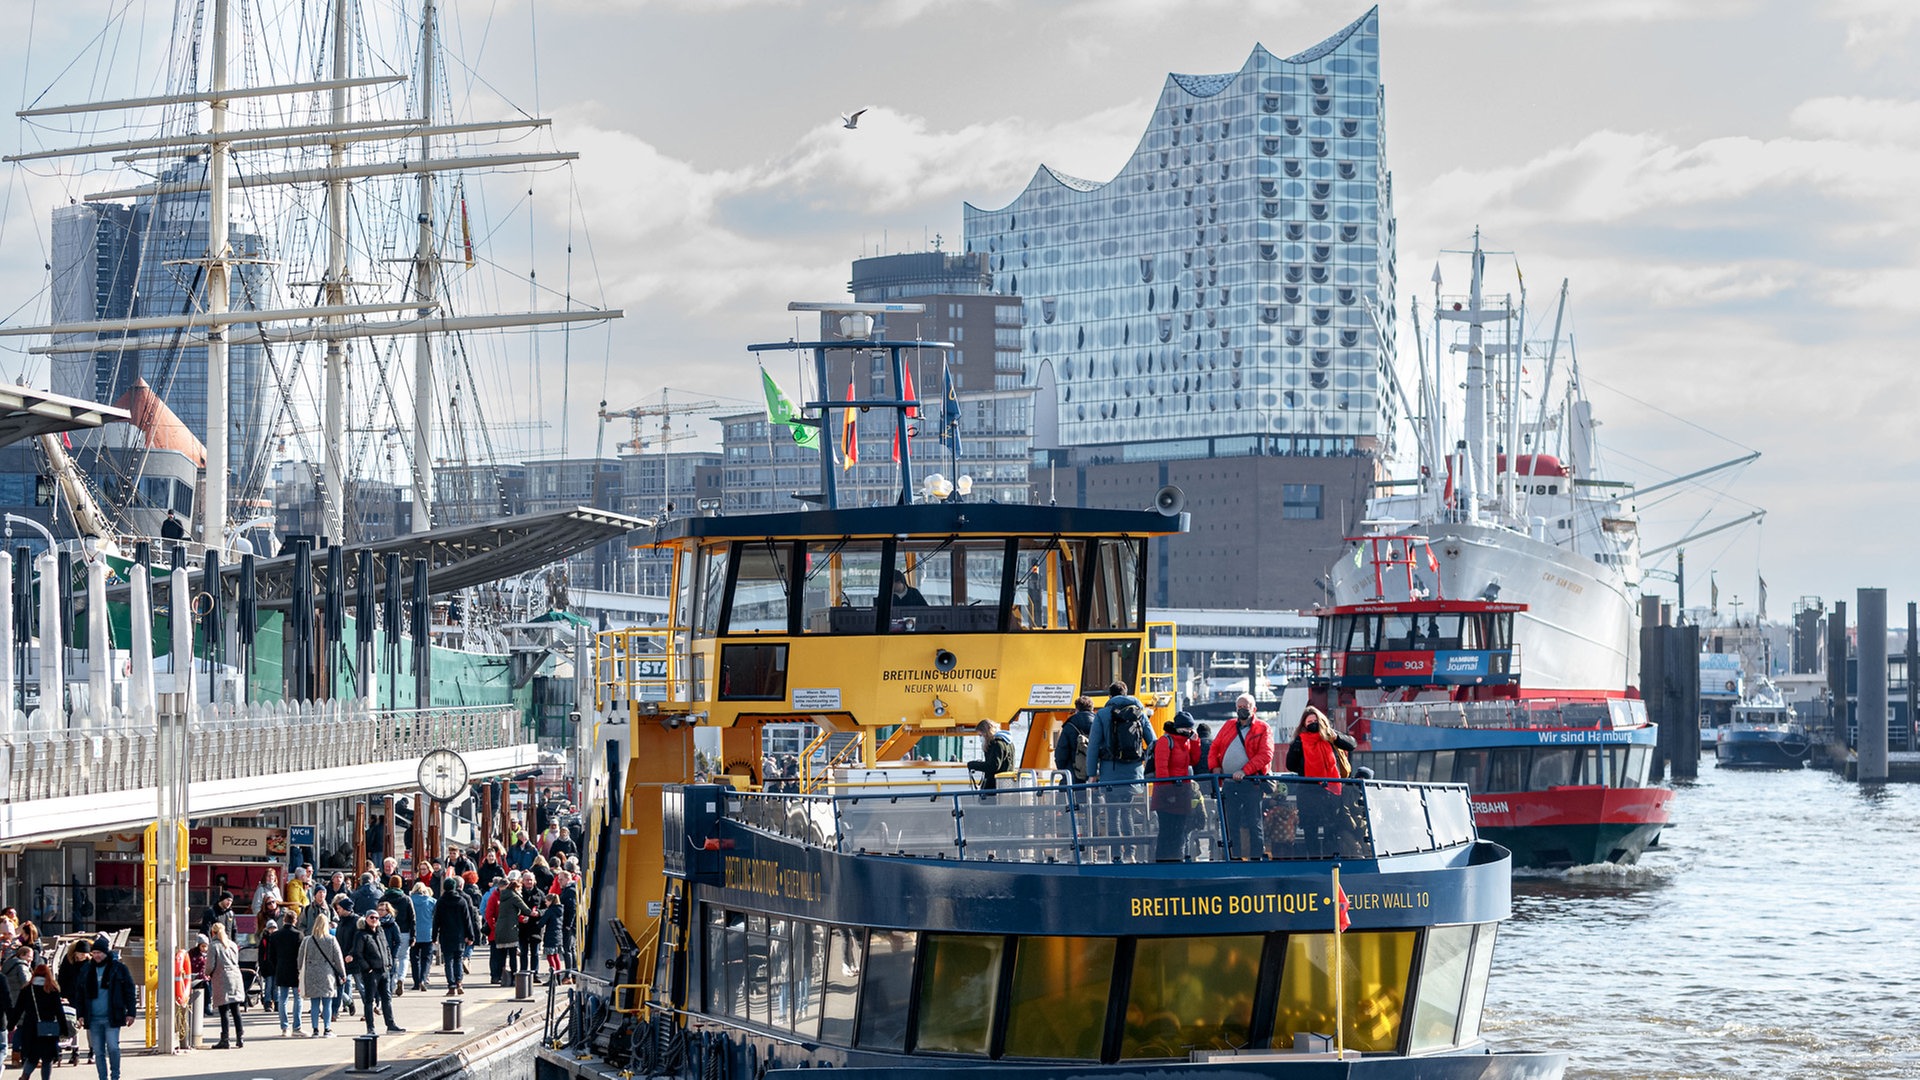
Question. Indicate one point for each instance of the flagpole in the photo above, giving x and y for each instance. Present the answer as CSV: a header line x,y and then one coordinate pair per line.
x,y
1339,965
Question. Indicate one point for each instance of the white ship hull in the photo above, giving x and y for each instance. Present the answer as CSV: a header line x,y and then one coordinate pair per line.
x,y
1577,633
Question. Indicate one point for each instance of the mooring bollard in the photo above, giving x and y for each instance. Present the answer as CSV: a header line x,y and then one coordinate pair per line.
x,y
366,1054
523,986
450,1016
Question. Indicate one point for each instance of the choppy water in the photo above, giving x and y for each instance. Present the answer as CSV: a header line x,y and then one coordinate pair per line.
x,y
1774,933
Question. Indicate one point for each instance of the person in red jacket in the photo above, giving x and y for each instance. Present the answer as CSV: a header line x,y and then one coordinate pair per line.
x,y
1175,758
1243,751
1323,810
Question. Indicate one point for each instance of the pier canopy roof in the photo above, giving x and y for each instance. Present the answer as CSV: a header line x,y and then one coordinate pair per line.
x,y
461,556
26,413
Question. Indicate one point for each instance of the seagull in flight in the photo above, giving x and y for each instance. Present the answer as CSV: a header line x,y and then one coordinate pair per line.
x,y
851,120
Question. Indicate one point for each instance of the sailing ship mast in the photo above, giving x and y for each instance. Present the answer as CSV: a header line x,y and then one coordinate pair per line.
x,y
339,320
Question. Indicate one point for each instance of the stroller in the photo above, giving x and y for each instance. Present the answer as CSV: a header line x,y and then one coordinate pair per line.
x,y
70,1044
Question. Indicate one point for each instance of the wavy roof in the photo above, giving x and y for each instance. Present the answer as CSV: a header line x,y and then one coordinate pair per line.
x,y
1199,86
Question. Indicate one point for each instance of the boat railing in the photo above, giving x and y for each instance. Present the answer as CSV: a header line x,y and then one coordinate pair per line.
x,y
1217,819
1522,714
642,663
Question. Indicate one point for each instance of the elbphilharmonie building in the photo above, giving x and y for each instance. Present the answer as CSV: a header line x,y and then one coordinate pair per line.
x,y
1230,292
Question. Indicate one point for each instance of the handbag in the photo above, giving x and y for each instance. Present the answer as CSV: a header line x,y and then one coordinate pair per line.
x,y
46,1029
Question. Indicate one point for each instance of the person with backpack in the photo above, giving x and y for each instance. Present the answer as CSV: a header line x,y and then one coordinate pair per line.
x,y
1117,750
1243,751
1070,747
998,747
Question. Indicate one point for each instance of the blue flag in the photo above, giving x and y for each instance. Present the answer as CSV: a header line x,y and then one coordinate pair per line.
x,y
950,411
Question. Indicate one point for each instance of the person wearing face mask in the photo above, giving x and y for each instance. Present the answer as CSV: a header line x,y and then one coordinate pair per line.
x,y
42,1022
1323,812
105,995
1243,751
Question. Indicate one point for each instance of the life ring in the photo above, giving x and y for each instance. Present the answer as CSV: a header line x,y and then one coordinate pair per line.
x,y
182,976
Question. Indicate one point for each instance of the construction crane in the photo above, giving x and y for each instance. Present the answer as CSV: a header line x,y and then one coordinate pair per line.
x,y
665,411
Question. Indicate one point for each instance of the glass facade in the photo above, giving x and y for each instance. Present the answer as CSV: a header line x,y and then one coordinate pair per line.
x,y
149,260
1226,281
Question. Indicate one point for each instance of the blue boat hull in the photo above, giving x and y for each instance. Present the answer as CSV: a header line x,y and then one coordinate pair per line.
x,y
1762,749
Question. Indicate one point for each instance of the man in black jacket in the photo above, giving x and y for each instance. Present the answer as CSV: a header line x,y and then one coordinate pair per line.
x,y
1071,746
371,961
280,955
104,1000
999,755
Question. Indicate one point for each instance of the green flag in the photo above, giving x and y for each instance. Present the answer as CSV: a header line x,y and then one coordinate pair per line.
x,y
780,411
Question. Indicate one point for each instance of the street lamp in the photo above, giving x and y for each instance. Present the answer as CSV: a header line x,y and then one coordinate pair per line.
x,y
32,524
263,521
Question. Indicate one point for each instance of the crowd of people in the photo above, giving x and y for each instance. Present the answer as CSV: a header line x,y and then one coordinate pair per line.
x,y
327,944
1114,748
52,992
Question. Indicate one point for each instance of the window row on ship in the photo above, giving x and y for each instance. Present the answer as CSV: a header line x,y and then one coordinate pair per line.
x,y
1089,998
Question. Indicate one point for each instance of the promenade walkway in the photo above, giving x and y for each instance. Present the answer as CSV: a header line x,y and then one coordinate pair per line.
x,y
489,1017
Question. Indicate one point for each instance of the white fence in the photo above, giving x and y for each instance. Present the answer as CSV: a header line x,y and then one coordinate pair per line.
x,y
260,741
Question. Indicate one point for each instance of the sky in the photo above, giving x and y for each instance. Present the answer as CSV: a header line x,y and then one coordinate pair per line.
x,y
1727,184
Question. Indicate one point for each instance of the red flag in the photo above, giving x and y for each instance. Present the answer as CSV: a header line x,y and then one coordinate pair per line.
x,y
1340,906
849,434
896,446
906,391
1433,562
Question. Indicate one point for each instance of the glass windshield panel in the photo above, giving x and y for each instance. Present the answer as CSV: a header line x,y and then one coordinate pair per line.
x,y
1398,633
757,985
1443,975
809,976
1374,981
842,580
779,975
1553,767
760,592
1059,999
726,957
843,963
1508,770
888,989
1045,585
959,990
1477,982
1116,596
1191,994
947,586
712,590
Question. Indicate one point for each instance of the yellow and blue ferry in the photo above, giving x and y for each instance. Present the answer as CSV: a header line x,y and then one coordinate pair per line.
x,y
881,915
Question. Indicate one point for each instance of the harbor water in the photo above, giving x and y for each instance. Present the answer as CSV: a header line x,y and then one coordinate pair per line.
x,y
1775,932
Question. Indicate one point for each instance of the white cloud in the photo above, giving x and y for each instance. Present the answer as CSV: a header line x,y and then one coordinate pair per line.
x,y
895,160
1858,119
1614,176
1875,27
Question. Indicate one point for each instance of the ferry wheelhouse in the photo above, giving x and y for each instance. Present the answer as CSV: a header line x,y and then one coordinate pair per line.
x,y
883,915
1433,689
